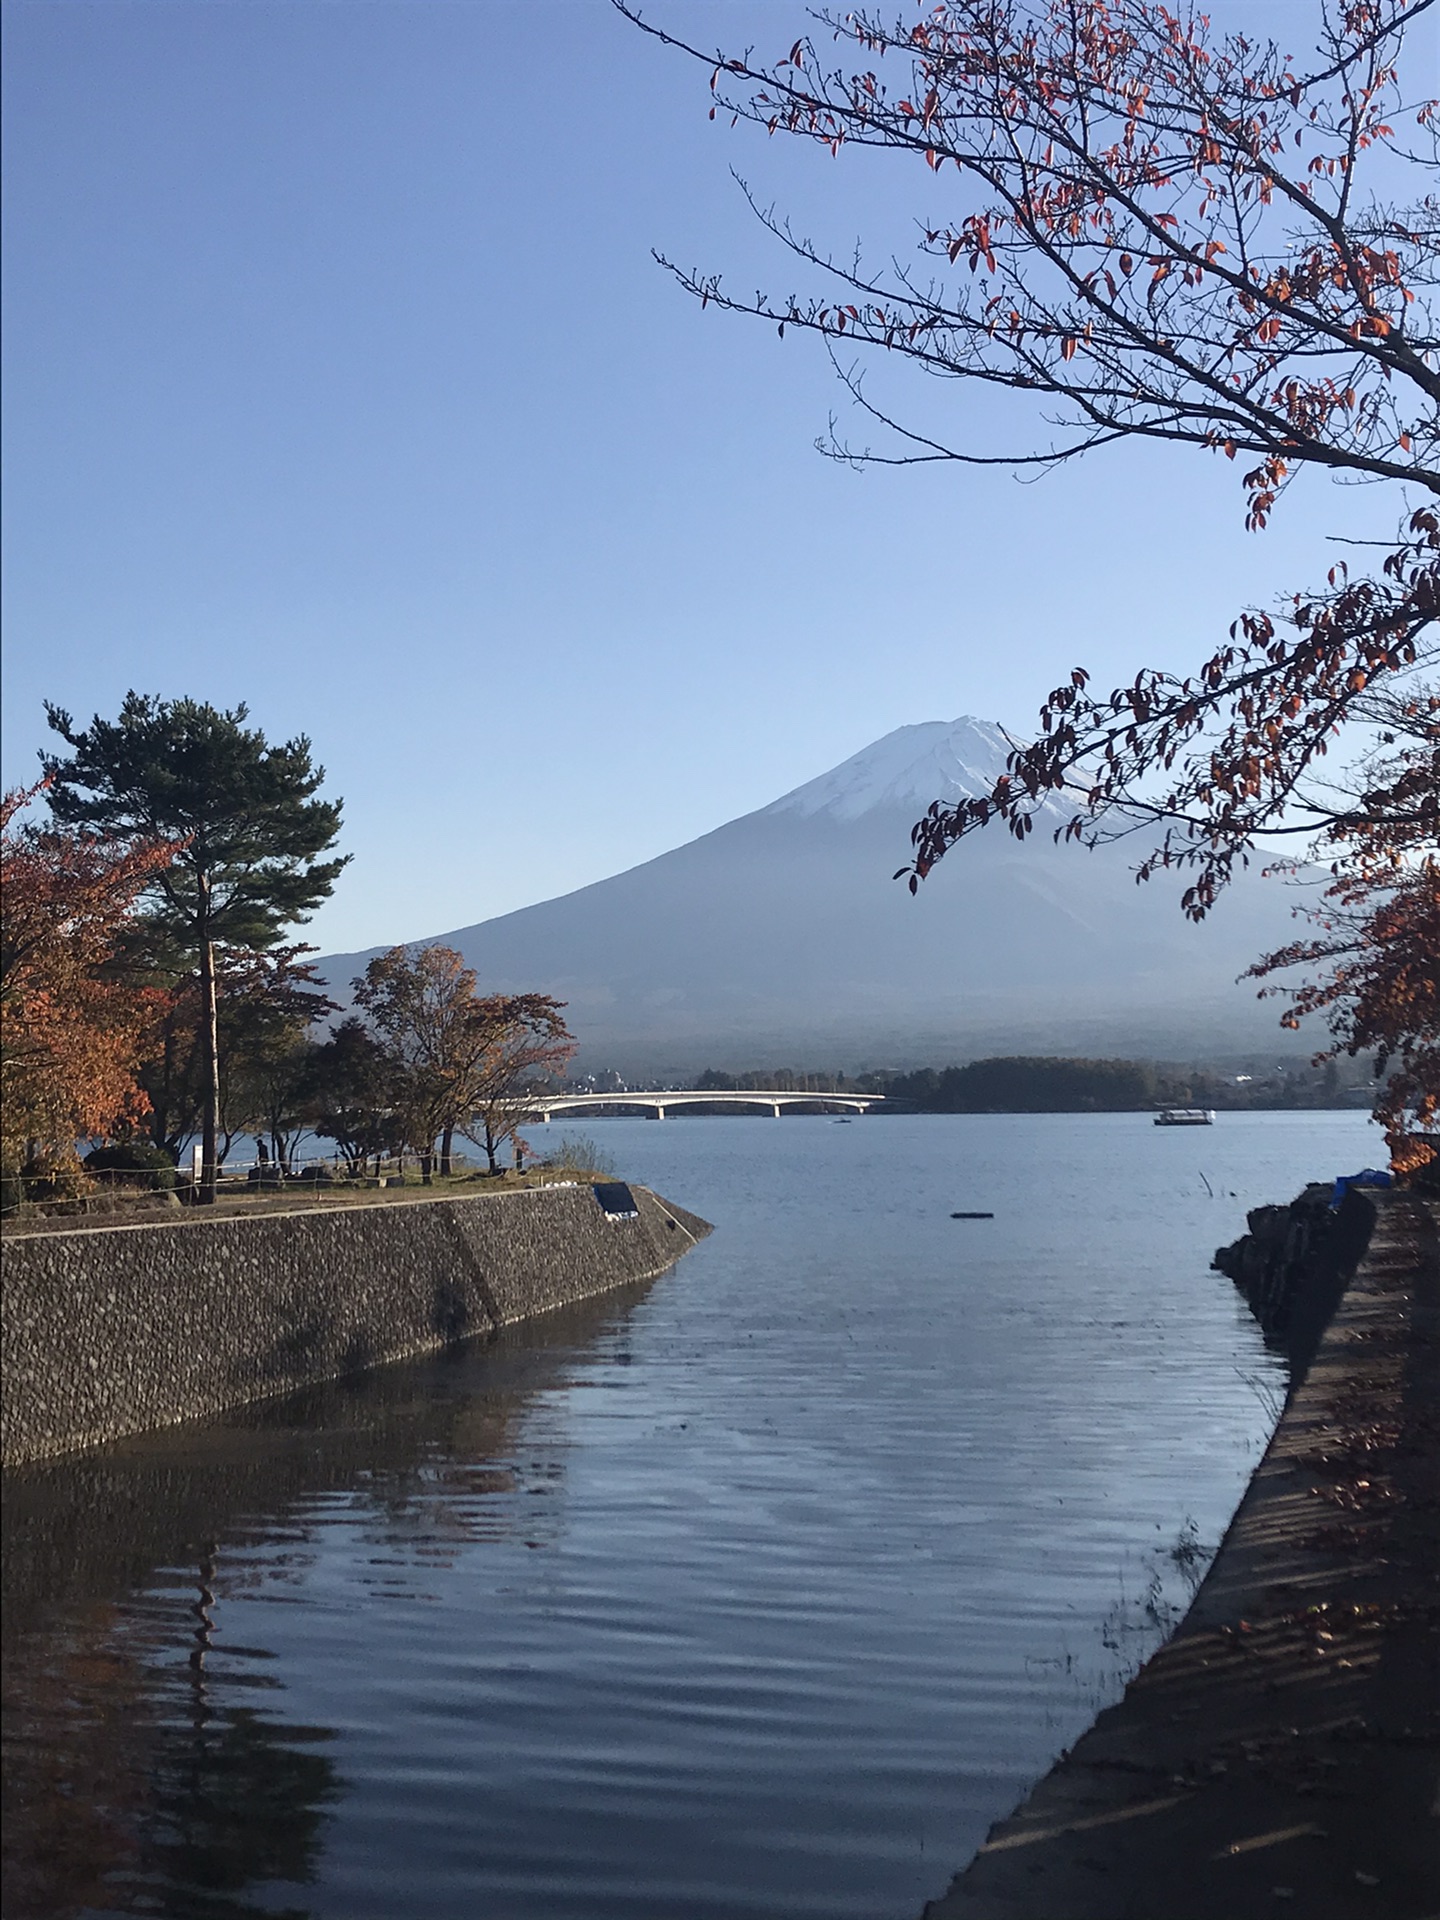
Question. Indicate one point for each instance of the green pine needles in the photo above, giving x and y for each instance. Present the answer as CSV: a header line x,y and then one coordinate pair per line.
x,y
251,829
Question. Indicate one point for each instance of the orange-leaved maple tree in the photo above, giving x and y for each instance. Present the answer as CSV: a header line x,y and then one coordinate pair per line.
x,y
1374,947
1159,231
70,1037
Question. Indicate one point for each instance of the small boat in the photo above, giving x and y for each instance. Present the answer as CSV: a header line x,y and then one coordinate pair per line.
x,y
1185,1117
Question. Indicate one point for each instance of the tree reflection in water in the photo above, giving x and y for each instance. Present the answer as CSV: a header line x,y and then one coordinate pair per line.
x,y
234,1799
128,1789
133,1783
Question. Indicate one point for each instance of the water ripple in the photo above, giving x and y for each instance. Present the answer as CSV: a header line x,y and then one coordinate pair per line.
x,y
758,1592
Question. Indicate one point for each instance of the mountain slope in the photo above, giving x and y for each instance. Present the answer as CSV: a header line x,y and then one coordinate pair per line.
x,y
782,937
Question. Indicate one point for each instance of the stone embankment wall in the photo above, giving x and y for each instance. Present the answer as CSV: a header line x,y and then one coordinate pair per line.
x,y
112,1331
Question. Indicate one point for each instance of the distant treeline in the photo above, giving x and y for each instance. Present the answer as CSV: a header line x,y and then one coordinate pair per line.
x,y
1030,1084
777,1080
1022,1085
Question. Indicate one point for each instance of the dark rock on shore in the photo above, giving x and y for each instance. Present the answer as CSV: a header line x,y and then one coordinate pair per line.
x,y
1293,1264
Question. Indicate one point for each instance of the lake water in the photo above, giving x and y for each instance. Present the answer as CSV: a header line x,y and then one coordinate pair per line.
x,y
760,1591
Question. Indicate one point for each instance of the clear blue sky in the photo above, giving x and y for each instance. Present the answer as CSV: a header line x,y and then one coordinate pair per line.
x,y
340,381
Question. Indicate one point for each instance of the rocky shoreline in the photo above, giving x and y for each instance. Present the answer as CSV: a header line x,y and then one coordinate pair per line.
x,y
1293,1263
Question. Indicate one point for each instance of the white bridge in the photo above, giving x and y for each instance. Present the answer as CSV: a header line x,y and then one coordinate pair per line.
x,y
547,1107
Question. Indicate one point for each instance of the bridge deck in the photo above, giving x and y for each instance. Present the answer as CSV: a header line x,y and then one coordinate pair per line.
x,y
547,1106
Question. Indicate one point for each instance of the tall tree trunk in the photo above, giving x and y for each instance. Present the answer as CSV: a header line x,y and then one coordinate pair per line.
x,y
209,1056
447,1142
160,1130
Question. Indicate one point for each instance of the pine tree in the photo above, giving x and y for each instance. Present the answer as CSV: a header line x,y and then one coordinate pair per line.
x,y
253,834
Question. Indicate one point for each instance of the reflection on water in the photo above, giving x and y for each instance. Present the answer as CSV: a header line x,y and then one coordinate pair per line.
x,y
759,1591
233,1801
133,1786
135,1781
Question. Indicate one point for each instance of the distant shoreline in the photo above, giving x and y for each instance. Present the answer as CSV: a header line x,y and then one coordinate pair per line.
x,y
898,1107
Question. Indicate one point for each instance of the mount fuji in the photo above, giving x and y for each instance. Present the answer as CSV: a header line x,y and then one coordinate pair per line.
x,y
782,939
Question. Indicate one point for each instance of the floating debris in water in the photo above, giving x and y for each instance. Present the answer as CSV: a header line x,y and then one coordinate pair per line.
x,y
972,1216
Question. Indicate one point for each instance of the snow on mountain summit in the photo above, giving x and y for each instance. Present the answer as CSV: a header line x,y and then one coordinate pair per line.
x,y
905,770
782,935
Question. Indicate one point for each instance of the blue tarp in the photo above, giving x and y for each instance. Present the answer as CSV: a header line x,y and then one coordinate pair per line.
x,y
1367,1177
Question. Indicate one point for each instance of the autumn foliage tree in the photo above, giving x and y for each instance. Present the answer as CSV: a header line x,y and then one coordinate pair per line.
x,y
70,1035
1160,232
1373,949
459,1059
427,1014
1378,985
530,1046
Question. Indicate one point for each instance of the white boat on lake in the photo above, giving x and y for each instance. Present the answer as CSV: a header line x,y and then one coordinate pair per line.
x,y
1185,1117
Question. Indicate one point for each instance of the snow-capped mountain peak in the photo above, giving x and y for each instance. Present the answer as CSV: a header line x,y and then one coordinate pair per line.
x,y
781,936
905,770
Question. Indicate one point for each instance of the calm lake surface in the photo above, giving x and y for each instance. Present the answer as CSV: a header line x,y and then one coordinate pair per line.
x,y
759,1591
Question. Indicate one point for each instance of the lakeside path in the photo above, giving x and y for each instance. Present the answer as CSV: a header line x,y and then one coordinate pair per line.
x,y
1281,1754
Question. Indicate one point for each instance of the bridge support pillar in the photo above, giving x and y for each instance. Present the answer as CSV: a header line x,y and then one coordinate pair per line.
x,y
776,1111
659,1113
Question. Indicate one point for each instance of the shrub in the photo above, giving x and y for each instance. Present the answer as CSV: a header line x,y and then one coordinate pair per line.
x,y
581,1156
133,1163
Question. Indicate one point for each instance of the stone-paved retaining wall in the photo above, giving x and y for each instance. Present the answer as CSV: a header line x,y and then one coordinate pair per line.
x,y
116,1330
